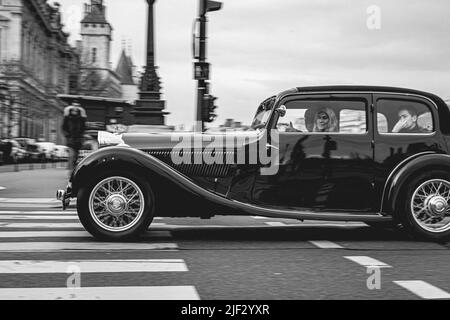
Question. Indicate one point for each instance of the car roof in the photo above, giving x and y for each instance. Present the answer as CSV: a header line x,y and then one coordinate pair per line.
x,y
363,88
443,107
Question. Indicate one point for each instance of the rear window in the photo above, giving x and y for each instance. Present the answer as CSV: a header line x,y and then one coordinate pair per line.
x,y
403,116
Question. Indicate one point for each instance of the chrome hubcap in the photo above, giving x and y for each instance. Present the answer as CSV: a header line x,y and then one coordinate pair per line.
x,y
116,204
430,205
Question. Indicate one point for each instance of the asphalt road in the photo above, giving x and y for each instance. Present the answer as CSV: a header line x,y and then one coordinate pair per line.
x,y
42,251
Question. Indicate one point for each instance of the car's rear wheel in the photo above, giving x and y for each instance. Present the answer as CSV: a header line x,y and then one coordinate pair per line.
x,y
425,212
116,206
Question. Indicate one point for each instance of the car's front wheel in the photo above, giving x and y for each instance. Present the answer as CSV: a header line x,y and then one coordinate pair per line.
x,y
116,206
426,207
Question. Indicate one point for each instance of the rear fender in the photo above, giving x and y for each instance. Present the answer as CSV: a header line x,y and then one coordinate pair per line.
x,y
405,171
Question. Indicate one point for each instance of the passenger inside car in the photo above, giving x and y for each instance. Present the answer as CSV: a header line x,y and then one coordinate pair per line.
x,y
325,120
407,122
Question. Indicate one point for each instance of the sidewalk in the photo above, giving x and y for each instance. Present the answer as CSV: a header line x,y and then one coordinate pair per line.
x,y
32,166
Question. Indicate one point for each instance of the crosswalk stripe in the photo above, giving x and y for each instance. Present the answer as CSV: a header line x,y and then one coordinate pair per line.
x,y
44,234
423,289
78,246
37,217
92,266
276,224
29,200
323,244
51,225
63,213
368,261
102,293
46,213
71,234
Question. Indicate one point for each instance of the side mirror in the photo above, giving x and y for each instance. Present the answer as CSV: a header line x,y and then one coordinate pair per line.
x,y
281,111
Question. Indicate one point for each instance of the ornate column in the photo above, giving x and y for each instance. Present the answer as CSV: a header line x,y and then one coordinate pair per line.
x,y
149,108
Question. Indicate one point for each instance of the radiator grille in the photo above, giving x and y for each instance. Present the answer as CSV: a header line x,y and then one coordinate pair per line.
x,y
196,166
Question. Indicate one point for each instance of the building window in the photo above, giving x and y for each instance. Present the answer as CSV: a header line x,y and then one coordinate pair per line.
x,y
94,55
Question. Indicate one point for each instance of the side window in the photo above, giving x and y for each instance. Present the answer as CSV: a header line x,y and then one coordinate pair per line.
x,y
382,123
352,121
324,115
403,116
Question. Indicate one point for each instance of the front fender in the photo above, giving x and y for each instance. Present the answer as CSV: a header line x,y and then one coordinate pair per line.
x,y
122,158
165,180
406,170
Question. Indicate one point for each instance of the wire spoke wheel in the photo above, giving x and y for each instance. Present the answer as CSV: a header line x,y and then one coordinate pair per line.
x,y
430,205
116,204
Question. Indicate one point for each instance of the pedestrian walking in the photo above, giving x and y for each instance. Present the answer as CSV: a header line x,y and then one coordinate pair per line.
x,y
74,126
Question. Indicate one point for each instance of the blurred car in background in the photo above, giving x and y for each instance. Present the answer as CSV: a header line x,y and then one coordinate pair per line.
x,y
48,149
5,149
34,154
61,152
17,154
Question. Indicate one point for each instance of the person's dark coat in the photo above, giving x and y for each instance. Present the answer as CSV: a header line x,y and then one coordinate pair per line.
x,y
74,126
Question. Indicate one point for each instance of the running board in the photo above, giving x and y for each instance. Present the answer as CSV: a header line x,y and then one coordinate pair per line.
x,y
309,215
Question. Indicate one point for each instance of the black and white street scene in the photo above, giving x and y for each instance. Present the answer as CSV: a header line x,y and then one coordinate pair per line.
x,y
224,150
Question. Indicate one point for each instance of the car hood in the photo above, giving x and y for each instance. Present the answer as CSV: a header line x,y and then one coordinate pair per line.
x,y
154,141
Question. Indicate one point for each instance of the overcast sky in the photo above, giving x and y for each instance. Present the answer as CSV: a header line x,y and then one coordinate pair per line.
x,y
260,47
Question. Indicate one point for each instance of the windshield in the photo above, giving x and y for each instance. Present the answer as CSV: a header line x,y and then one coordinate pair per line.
x,y
263,114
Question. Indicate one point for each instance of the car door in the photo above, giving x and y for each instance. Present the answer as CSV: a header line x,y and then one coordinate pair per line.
x,y
324,170
394,145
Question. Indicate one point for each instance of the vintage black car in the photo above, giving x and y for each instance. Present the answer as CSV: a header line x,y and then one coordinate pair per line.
x,y
335,153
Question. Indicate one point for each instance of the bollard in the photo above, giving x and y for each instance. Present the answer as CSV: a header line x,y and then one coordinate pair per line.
x,y
16,167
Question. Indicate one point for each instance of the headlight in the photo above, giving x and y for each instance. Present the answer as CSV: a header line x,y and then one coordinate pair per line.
x,y
109,139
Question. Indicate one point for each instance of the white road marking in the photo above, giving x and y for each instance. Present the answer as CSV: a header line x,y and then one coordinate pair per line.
x,y
260,218
276,224
37,217
368,261
68,213
44,234
62,213
92,266
423,289
79,246
52,225
29,200
323,244
73,234
102,293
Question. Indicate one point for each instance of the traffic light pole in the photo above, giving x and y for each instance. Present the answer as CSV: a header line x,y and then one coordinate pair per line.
x,y
201,84
202,75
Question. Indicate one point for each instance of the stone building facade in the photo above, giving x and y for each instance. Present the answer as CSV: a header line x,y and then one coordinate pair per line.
x,y
36,64
97,77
